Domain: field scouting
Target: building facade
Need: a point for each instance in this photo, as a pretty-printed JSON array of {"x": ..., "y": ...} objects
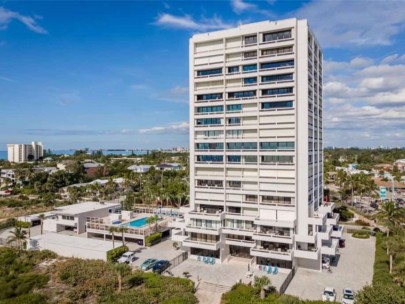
[
  {"x": 256, "y": 150},
  {"x": 20, "y": 153}
]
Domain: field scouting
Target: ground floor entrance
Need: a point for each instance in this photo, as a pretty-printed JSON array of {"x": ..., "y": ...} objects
[{"x": 239, "y": 251}]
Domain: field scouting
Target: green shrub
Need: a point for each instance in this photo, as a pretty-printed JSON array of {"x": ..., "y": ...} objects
[
  {"x": 31, "y": 298},
  {"x": 114, "y": 254},
  {"x": 7, "y": 223},
  {"x": 345, "y": 214},
  {"x": 153, "y": 239},
  {"x": 361, "y": 223},
  {"x": 22, "y": 224},
  {"x": 361, "y": 234}
]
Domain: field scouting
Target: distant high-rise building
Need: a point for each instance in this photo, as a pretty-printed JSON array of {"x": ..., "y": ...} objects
[
  {"x": 256, "y": 150},
  {"x": 20, "y": 153}
]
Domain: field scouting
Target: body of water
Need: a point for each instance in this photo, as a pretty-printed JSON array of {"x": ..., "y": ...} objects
[{"x": 3, "y": 154}]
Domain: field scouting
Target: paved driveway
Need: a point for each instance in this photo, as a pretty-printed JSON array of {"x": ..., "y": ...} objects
[
  {"x": 354, "y": 270},
  {"x": 162, "y": 251}
]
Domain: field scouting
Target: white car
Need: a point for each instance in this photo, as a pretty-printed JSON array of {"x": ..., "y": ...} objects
[
  {"x": 127, "y": 257},
  {"x": 348, "y": 296},
  {"x": 329, "y": 294}
]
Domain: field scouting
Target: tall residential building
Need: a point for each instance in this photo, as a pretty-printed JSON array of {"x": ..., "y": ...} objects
[
  {"x": 19, "y": 153},
  {"x": 256, "y": 152}
]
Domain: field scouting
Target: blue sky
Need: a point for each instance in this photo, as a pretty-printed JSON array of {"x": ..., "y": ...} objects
[{"x": 115, "y": 74}]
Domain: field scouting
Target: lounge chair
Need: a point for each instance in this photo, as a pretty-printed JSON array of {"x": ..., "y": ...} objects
[
  {"x": 269, "y": 270},
  {"x": 275, "y": 271},
  {"x": 212, "y": 261},
  {"x": 205, "y": 259},
  {"x": 199, "y": 258}
]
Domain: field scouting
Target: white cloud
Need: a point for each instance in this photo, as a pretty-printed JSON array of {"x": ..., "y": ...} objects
[
  {"x": 240, "y": 6},
  {"x": 6, "y": 16},
  {"x": 366, "y": 101},
  {"x": 176, "y": 94},
  {"x": 177, "y": 127},
  {"x": 340, "y": 23},
  {"x": 187, "y": 22},
  {"x": 6, "y": 79}
]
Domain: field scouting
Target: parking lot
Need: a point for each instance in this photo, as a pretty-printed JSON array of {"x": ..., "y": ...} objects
[
  {"x": 354, "y": 270},
  {"x": 162, "y": 251}
]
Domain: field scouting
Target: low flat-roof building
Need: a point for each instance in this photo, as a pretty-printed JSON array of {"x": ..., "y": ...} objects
[
  {"x": 74, "y": 217},
  {"x": 140, "y": 168}
]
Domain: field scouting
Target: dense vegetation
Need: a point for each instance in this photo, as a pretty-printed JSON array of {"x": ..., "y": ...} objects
[{"x": 34, "y": 277}]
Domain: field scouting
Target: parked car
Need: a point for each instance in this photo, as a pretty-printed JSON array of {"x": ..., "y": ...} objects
[
  {"x": 148, "y": 264},
  {"x": 127, "y": 257},
  {"x": 325, "y": 263},
  {"x": 161, "y": 266},
  {"x": 348, "y": 296},
  {"x": 342, "y": 243},
  {"x": 329, "y": 294}
]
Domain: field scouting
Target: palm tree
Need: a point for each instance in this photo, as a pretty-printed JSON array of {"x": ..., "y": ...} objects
[
  {"x": 150, "y": 220},
  {"x": 390, "y": 215},
  {"x": 18, "y": 236},
  {"x": 123, "y": 229},
  {"x": 396, "y": 246},
  {"x": 111, "y": 230},
  {"x": 261, "y": 283},
  {"x": 42, "y": 217},
  {"x": 121, "y": 269}
]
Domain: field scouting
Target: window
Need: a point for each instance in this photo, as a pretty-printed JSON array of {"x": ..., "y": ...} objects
[
  {"x": 68, "y": 217},
  {"x": 210, "y": 72},
  {"x": 209, "y": 146},
  {"x": 277, "y": 145},
  {"x": 233, "y": 108},
  {"x": 275, "y": 51},
  {"x": 250, "y": 198},
  {"x": 234, "y": 121},
  {"x": 234, "y": 159},
  {"x": 234, "y": 184},
  {"x": 209, "y": 121},
  {"x": 277, "y": 36},
  {"x": 212, "y": 133},
  {"x": 233, "y": 69},
  {"x": 278, "y": 91},
  {"x": 277, "y": 104},
  {"x": 281, "y": 77},
  {"x": 250, "y": 80},
  {"x": 251, "y": 39},
  {"x": 234, "y": 133},
  {"x": 277, "y": 64},
  {"x": 277, "y": 200},
  {"x": 282, "y": 159},
  {"x": 249, "y": 68},
  {"x": 210, "y": 109},
  {"x": 249, "y": 55},
  {"x": 241, "y": 146},
  {"x": 209, "y": 183},
  {"x": 250, "y": 158},
  {"x": 244, "y": 94},
  {"x": 210, "y": 158},
  {"x": 209, "y": 96}
]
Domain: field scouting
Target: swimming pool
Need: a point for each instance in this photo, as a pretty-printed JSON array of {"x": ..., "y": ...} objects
[{"x": 138, "y": 222}]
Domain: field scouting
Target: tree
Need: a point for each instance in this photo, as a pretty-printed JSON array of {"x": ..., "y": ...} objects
[
  {"x": 150, "y": 220},
  {"x": 123, "y": 229},
  {"x": 261, "y": 283},
  {"x": 112, "y": 230},
  {"x": 121, "y": 269},
  {"x": 17, "y": 236},
  {"x": 42, "y": 217},
  {"x": 390, "y": 215}
]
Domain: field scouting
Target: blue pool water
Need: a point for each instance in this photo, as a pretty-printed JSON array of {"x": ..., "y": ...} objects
[{"x": 138, "y": 222}]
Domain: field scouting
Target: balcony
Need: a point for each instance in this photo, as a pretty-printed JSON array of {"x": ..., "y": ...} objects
[
  {"x": 205, "y": 215},
  {"x": 271, "y": 236},
  {"x": 330, "y": 248},
  {"x": 325, "y": 232},
  {"x": 200, "y": 244},
  {"x": 259, "y": 251},
  {"x": 337, "y": 231},
  {"x": 242, "y": 243},
  {"x": 326, "y": 207},
  {"x": 238, "y": 231},
  {"x": 274, "y": 222},
  {"x": 204, "y": 229},
  {"x": 333, "y": 219},
  {"x": 318, "y": 219},
  {"x": 311, "y": 254}
]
